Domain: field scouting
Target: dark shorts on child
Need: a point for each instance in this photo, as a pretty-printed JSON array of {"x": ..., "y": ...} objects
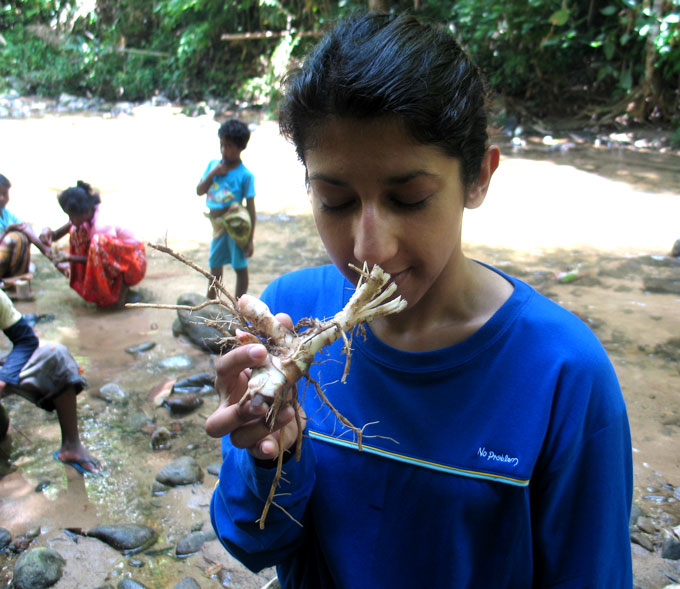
[{"x": 48, "y": 372}]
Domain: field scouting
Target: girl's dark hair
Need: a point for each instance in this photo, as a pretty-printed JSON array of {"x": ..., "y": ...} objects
[
  {"x": 4, "y": 182},
  {"x": 236, "y": 131},
  {"x": 78, "y": 199},
  {"x": 376, "y": 65}
]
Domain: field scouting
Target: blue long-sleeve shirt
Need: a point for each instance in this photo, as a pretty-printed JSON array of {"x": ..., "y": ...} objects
[
  {"x": 24, "y": 343},
  {"x": 504, "y": 461}
]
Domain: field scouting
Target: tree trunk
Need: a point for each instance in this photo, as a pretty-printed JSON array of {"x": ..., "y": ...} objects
[
  {"x": 649, "y": 88},
  {"x": 379, "y": 5}
]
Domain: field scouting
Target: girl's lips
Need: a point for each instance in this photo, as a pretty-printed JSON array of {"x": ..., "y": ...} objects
[{"x": 399, "y": 277}]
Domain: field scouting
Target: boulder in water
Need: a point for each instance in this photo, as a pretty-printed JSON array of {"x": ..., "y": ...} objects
[
  {"x": 37, "y": 568},
  {"x": 128, "y": 538}
]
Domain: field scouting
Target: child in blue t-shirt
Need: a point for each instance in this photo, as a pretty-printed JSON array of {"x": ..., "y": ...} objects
[{"x": 226, "y": 183}]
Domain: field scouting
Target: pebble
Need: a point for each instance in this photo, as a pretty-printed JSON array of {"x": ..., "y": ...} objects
[
  {"x": 197, "y": 380},
  {"x": 140, "y": 348},
  {"x": 128, "y": 538},
  {"x": 37, "y": 568},
  {"x": 160, "y": 438},
  {"x": 5, "y": 538},
  {"x": 175, "y": 362},
  {"x": 187, "y": 583},
  {"x": 183, "y": 404},
  {"x": 41, "y": 486},
  {"x": 671, "y": 549},
  {"x": 642, "y": 540},
  {"x": 183, "y": 471},
  {"x": 645, "y": 524},
  {"x": 190, "y": 544},
  {"x": 214, "y": 468},
  {"x": 130, "y": 584},
  {"x": 112, "y": 393}
]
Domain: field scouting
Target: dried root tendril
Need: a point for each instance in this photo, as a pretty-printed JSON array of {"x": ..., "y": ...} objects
[{"x": 292, "y": 352}]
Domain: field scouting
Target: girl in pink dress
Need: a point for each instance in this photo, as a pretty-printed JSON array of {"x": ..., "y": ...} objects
[{"x": 104, "y": 260}]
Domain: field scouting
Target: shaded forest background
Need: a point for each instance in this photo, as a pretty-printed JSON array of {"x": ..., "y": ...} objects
[{"x": 601, "y": 62}]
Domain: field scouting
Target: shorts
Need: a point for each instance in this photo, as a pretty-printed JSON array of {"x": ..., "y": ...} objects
[
  {"x": 49, "y": 371},
  {"x": 224, "y": 251}
]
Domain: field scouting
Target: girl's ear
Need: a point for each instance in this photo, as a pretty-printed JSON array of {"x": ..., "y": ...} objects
[{"x": 477, "y": 193}]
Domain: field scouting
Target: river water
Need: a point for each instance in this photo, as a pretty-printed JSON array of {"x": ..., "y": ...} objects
[{"x": 610, "y": 213}]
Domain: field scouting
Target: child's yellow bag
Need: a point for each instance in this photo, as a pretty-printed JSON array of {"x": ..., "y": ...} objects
[{"x": 235, "y": 221}]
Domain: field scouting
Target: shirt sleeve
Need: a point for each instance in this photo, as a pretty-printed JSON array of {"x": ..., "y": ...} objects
[
  {"x": 9, "y": 314},
  {"x": 581, "y": 493},
  {"x": 24, "y": 342},
  {"x": 240, "y": 496},
  {"x": 249, "y": 186},
  {"x": 7, "y": 218}
]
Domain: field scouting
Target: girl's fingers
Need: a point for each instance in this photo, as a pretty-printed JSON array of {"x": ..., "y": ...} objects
[
  {"x": 229, "y": 382},
  {"x": 252, "y": 435}
]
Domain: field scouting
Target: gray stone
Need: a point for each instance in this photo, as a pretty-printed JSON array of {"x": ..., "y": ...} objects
[
  {"x": 112, "y": 393},
  {"x": 642, "y": 540},
  {"x": 5, "y": 538},
  {"x": 182, "y": 471},
  {"x": 214, "y": 469},
  {"x": 182, "y": 404},
  {"x": 190, "y": 544},
  {"x": 193, "y": 326},
  {"x": 175, "y": 362},
  {"x": 671, "y": 550},
  {"x": 159, "y": 489},
  {"x": 676, "y": 249},
  {"x": 662, "y": 285},
  {"x": 4, "y": 422},
  {"x": 187, "y": 583},
  {"x": 130, "y": 584},
  {"x": 37, "y": 568},
  {"x": 140, "y": 348},
  {"x": 160, "y": 438},
  {"x": 128, "y": 538},
  {"x": 646, "y": 525}
]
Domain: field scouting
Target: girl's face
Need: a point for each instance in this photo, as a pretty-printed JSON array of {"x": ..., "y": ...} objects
[
  {"x": 4, "y": 196},
  {"x": 81, "y": 218},
  {"x": 380, "y": 197}
]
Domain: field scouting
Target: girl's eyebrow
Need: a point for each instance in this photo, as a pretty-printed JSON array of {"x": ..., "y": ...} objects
[{"x": 392, "y": 180}]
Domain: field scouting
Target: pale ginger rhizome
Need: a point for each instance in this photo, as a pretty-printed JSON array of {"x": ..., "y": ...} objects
[{"x": 292, "y": 351}]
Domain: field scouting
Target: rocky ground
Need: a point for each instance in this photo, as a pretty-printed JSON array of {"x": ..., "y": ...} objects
[{"x": 590, "y": 226}]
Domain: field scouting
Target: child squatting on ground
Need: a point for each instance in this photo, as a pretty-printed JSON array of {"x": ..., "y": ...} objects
[
  {"x": 498, "y": 450},
  {"x": 104, "y": 259},
  {"x": 16, "y": 238},
  {"x": 226, "y": 183},
  {"x": 48, "y": 376}
]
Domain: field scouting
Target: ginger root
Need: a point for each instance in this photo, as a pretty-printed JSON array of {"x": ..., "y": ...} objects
[{"x": 292, "y": 352}]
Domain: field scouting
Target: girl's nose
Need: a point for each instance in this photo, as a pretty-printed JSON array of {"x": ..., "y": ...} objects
[{"x": 375, "y": 239}]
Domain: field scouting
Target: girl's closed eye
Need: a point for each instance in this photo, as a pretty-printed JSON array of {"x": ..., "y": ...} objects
[{"x": 411, "y": 203}]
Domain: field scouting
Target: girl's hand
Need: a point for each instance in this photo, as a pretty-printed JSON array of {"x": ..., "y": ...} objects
[
  {"x": 47, "y": 236},
  {"x": 246, "y": 422},
  {"x": 64, "y": 267}
]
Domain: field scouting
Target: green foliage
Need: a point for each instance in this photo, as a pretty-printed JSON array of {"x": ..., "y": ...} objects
[
  {"x": 563, "y": 55},
  {"x": 558, "y": 54}
]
